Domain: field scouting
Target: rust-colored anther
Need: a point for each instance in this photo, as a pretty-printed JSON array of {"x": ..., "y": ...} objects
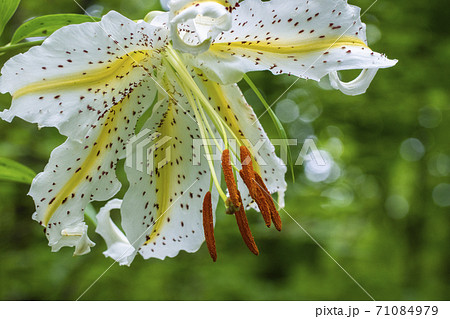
[
  {"x": 271, "y": 205},
  {"x": 247, "y": 168},
  {"x": 247, "y": 180},
  {"x": 263, "y": 203},
  {"x": 229, "y": 178},
  {"x": 244, "y": 228},
  {"x": 257, "y": 194},
  {"x": 208, "y": 226}
]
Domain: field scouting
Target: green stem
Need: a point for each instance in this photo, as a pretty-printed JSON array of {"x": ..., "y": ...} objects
[
  {"x": 12, "y": 47},
  {"x": 275, "y": 119}
]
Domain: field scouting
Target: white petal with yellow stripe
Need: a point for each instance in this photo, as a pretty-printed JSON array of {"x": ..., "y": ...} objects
[
  {"x": 79, "y": 72},
  {"x": 91, "y": 81},
  {"x": 81, "y": 172},
  {"x": 162, "y": 209},
  {"x": 308, "y": 39}
]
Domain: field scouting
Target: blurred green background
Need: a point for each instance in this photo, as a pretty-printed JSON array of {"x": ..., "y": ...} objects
[{"x": 380, "y": 208}]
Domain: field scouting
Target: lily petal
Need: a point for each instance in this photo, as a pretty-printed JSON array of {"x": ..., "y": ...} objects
[
  {"x": 119, "y": 248},
  {"x": 75, "y": 236},
  {"x": 356, "y": 86},
  {"x": 162, "y": 209},
  {"x": 83, "y": 82},
  {"x": 308, "y": 39},
  {"x": 81, "y": 172},
  {"x": 80, "y": 72}
]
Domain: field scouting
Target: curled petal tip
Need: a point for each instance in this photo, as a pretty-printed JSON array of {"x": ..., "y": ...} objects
[
  {"x": 356, "y": 86},
  {"x": 207, "y": 19}
]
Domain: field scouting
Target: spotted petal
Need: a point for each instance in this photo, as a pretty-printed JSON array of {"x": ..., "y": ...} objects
[
  {"x": 309, "y": 39},
  {"x": 81, "y": 172},
  {"x": 162, "y": 210},
  {"x": 79, "y": 73},
  {"x": 83, "y": 82}
]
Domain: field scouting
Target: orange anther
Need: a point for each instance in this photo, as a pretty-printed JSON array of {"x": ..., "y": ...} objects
[
  {"x": 208, "y": 226},
  {"x": 229, "y": 178},
  {"x": 244, "y": 228},
  {"x": 269, "y": 200}
]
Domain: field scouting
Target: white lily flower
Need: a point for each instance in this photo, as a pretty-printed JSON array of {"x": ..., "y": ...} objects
[{"x": 93, "y": 81}]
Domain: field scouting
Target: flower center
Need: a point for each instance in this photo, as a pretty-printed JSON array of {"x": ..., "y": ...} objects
[{"x": 205, "y": 113}]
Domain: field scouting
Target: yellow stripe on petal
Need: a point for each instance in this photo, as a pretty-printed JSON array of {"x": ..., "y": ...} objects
[
  {"x": 308, "y": 39},
  {"x": 299, "y": 48},
  {"x": 96, "y": 76},
  {"x": 164, "y": 176},
  {"x": 224, "y": 3},
  {"x": 93, "y": 160}
]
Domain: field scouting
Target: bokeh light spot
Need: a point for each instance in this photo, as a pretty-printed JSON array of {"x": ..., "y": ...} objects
[{"x": 412, "y": 149}]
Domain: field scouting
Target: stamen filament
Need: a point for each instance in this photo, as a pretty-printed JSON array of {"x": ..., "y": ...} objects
[
  {"x": 184, "y": 74},
  {"x": 178, "y": 66},
  {"x": 211, "y": 132},
  {"x": 207, "y": 149}
]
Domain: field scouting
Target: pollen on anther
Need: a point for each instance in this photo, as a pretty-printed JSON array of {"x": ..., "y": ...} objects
[
  {"x": 208, "y": 226},
  {"x": 247, "y": 167},
  {"x": 274, "y": 215},
  {"x": 244, "y": 229},
  {"x": 229, "y": 178}
]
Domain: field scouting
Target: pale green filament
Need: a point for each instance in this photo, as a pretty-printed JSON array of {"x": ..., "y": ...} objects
[
  {"x": 207, "y": 148},
  {"x": 190, "y": 83},
  {"x": 197, "y": 99}
]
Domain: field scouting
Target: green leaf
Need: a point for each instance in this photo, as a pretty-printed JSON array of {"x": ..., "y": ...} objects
[
  {"x": 280, "y": 129},
  {"x": 45, "y": 25},
  {"x": 12, "y": 171},
  {"x": 7, "y": 9}
]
